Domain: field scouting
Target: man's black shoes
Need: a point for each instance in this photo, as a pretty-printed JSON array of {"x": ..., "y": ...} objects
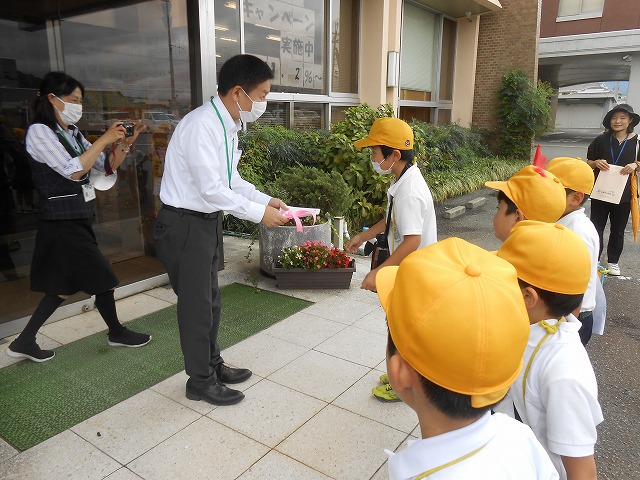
[
  {"x": 232, "y": 375},
  {"x": 215, "y": 393}
]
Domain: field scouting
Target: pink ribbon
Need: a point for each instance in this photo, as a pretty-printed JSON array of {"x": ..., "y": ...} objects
[{"x": 296, "y": 214}]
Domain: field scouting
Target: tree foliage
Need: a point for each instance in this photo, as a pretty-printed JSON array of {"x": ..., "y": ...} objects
[{"x": 524, "y": 112}]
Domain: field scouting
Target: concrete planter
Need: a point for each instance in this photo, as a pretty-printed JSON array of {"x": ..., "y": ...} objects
[
  {"x": 325, "y": 278},
  {"x": 273, "y": 240}
]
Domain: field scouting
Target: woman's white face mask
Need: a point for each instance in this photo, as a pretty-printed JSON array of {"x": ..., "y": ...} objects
[
  {"x": 257, "y": 109},
  {"x": 71, "y": 113}
]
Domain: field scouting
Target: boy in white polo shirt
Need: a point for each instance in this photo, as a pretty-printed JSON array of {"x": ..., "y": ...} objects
[
  {"x": 531, "y": 194},
  {"x": 577, "y": 178},
  {"x": 410, "y": 207},
  {"x": 556, "y": 393},
  {"x": 457, "y": 331}
]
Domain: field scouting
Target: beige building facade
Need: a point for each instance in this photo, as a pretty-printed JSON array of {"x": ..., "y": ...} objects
[{"x": 435, "y": 60}]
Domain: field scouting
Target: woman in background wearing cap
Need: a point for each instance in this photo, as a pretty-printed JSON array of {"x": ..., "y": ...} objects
[
  {"x": 616, "y": 146},
  {"x": 66, "y": 257}
]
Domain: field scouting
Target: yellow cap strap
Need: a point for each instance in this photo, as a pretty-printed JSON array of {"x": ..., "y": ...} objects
[
  {"x": 452, "y": 462},
  {"x": 550, "y": 329}
]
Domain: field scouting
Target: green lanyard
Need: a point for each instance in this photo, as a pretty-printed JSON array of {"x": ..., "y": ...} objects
[
  {"x": 226, "y": 143},
  {"x": 80, "y": 146}
]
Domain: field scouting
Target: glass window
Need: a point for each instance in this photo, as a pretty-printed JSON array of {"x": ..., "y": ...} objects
[
  {"x": 226, "y": 30},
  {"x": 419, "y": 113},
  {"x": 289, "y": 36},
  {"x": 447, "y": 59},
  {"x": 338, "y": 113},
  {"x": 308, "y": 116},
  {"x": 277, "y": 113},
  {"x": 418, "y": 53},
  {"x": 133, "y": 59},
  {"x": 578, "y": 7},
  {"x": 444, "y": 116},
  {"x": 22, "y": 67},
  {"x": 345, "y": 33}
]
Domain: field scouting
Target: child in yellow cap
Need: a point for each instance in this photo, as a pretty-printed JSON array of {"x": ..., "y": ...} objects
[
  {"x": 577, "y": 178},
  {"x": 410, "y": 206},
  {"x": 457, "y": 332},
  {"x": 556, "y": 393},
  {"x": 531, "y": 194}
]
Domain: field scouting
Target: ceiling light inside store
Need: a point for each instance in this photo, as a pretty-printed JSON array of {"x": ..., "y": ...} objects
[
  {"x": 273, "y": 37},
  {"x": 221, "y": 28},
  {"x": 230, "y": 5},
  {"x": 265, "y": 26}
]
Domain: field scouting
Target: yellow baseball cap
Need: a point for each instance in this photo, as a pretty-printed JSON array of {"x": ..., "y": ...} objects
[
  {"x": 536, "y": 192},
  {"x": 548, "y": 256},
  {"x": 456, "y": 315},
  {"x": 574, "y": 173},
  {"x": 388, "y": 131}
]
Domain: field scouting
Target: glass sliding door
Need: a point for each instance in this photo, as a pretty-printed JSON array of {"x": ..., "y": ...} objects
[{"x": 134, "y": 59}]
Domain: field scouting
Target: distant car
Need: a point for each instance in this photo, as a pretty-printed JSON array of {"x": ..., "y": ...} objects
[
  {"x": 91, "y": 123},
  {"x": 174, "y": 119},
  {"x": 154, "y": 120},
  {"x": 111, "y": 117},
  {"x": 96, "y": 123}
]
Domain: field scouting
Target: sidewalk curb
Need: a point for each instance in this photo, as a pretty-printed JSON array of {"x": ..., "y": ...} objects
[{"x": 459, "y": 210}]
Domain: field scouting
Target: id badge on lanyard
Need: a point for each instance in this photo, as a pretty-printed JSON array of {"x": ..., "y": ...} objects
[{"x": 89, "y": 192}]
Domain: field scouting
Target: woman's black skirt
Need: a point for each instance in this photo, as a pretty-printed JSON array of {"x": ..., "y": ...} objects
[{"x": 66, "y": 259}]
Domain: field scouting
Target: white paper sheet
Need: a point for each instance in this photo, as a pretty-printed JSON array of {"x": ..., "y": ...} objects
[
  {"x": 609, "y": 185},
  {"x": 305, "y": 210}
]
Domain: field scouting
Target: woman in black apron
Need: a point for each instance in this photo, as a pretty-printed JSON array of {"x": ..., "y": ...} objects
[{"x": 66, "y": 257}]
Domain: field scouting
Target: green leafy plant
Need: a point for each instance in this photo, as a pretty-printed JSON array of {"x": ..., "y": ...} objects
[
  {"x": 469, "y": 177},
  {"x": 446, "y": 147},
  {"x": 334, "y": 150},
  {"x": 524, "y": 112},
  {"x": 313, "y": 255},
  {"x": 268, "y": 150},
  {"x": 312, "y": 187}
]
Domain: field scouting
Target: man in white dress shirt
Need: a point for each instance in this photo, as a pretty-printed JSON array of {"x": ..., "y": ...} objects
[{"x": 200, "y": 181}]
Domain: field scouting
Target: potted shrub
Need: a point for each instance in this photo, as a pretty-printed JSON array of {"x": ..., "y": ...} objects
[
  {"x": 303, "y": 186},
  {"x": 313, "y": 264}
]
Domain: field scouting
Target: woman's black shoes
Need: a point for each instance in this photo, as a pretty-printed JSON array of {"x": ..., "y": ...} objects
[
  {"x": 29, "y": 350},
  {"x": 129, "y": 338}
]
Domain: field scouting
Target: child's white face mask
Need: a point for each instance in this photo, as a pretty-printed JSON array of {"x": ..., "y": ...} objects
[{"x": 376, "y": 166}]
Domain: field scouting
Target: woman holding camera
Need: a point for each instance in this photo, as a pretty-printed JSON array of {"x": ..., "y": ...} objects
[{"x": 66, "y": 257}]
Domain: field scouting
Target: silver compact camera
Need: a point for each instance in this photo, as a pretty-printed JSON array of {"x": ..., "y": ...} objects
[{"x": 129, "y": 129}]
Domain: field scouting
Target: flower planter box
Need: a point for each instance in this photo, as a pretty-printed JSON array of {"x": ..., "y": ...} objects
[
  {"x": 324, "y": 278},
  {"x": 273, "y": 240}
]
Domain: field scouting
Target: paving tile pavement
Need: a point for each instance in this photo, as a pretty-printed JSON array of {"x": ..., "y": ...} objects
[
  {"x": 308, "y": 411},
  {"x": 299, "y": 364}
]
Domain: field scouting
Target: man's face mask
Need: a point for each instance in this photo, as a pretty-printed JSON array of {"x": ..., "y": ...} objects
[{"x": 257, "y": 109}]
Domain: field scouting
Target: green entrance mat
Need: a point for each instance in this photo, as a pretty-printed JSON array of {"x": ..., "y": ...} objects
[{"x": 38, "y": 401}]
